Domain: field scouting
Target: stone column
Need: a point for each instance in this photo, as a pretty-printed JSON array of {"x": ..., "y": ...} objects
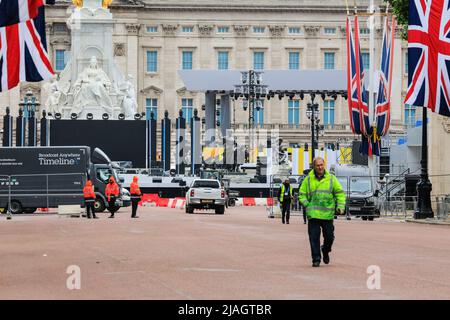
[
  {"x": 311, "y": 50},
  {"x": 133, "y": 53}
]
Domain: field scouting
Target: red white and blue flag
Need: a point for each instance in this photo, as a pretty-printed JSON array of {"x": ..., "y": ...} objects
[
  {"x": 363, "y": 95},
  {"x": 383, "y": 104},
  {"x": 429, "y": 55},
  {"x": 23, "y": 53},
  {"x": 15, "y": 11},
  {"x": 353, "y": 80}
]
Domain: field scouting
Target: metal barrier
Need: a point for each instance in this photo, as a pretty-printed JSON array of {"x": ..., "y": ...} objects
[
  {"x": 360, "y": 198},
  {"x": 39, "y": 191}
]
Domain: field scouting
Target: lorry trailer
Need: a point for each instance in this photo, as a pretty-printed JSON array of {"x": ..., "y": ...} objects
[{"x": 46, "y": 177}]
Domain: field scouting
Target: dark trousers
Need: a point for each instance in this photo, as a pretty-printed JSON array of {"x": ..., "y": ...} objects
[
  {"x": 285, "y": 212},
  {"x": 304, "y": 212},
  {"x": 134, "y": 206},
  {"x": 112, "y": 205},
  {"x": 89, "y": 208},
  {"x": 314, "y": 226}
]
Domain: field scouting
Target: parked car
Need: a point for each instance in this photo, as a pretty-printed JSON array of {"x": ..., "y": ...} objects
[
  {"x": 360, "y": 191},
  {"x": 206, "y": 194}
]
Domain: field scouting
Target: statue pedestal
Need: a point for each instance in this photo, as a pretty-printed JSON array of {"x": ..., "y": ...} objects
[{"x": 92, "y": 4}]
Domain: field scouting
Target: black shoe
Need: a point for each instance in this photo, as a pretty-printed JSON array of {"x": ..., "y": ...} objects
[
  {"x": 89, "y": 217},
  {"x": 326, "y": 257},
  {"x": 304, "y": 222},
  {"x": 135, "y": 217},
  {"x": 95, "y": 217},
  {"x": 282, "y": 221},
  {"x": 316, "y": 264},
  {"x": 111, "y": 216},
  {"x": 287, "y": 222}
]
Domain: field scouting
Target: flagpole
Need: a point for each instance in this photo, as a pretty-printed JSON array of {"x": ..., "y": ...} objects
[{"x": 371, "y": 158}]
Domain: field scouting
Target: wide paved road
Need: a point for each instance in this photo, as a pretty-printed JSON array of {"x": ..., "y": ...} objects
[{"x": 167, "y": 254}]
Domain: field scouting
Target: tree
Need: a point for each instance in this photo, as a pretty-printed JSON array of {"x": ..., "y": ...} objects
[{"x": 400, "y": 9}]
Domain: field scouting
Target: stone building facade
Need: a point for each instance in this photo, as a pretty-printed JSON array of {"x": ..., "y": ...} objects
[{"x": 153, "y": 39}]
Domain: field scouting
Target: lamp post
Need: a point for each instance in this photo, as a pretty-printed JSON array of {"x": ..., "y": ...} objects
[
  {"x": 29, "y": 103},
  {"x": 312, "y": 112},
  {"x": 424, "y": 186},
  {"x": 252, "y": 89}
]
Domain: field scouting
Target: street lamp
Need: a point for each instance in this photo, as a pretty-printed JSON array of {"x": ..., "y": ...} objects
[
  {"x": 424, "y": 186},
  {"x": 312, "y": 112},
  {"x": 29, "y": 103},
  {"x": 252, "y": 89}
]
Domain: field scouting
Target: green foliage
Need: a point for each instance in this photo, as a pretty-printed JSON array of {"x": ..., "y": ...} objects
[{"x": 400, "y": 9}]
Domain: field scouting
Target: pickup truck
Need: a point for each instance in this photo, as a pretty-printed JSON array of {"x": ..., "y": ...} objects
[{"x": 205, "y": 194}]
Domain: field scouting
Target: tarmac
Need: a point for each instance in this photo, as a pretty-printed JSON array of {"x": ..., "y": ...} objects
[{"x": 243, "y": 254}]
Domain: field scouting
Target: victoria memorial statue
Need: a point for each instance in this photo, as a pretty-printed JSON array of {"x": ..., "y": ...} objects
[{"x": 91, "y": 82}]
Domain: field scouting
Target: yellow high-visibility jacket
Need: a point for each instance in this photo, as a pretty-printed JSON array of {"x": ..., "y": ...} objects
[
  {"x": 282, "y": 191},
  {"x": 321, "y": 198}
]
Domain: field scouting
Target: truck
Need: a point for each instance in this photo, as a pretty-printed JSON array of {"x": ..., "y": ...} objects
[
  {"x": 46, "y": 177},
  {"x": 362, "y": 197},
  {"x": 206, "y": 194}
]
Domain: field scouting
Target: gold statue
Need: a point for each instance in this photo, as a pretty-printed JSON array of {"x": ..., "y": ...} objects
[
  {"x": 79, "y": 3},
  {"x": 106, "y": 3}
]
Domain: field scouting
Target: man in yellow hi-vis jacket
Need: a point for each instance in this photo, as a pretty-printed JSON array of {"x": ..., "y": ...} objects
[
  {"x": 321, "y": 194},
  {"x": 285, "y": 198}
]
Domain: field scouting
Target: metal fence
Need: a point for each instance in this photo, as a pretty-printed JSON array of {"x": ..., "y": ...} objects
[
  {"x": 370, "y": 197},
  {"x": 40, "y": 190}
]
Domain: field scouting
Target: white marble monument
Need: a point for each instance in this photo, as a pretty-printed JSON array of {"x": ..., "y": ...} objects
[{"x": 91, "y": 81}]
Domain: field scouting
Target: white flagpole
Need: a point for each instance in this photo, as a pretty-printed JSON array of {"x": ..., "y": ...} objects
[{"x": 372, "y": 159}]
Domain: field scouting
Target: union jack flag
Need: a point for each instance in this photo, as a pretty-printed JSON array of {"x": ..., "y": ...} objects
[
  {"x": 15, "y": 11},
  {"x": 363, "y": 95},
  {"x": 370, "y": 146},
  {"x": 383, "y": 105},
  {"x": 358, "y": 98},
  {"x": 23, "y": 53},
  {"x": 429, "y": 55},
  {"x": 353, "y": 81}
]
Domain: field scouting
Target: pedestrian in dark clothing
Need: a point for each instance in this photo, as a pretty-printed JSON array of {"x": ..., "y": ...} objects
[{"x": 285, "y": 199}]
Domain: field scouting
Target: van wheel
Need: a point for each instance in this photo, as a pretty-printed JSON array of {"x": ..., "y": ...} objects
[
  {"x": 16, "y": 207},
  {"x": 99, "y": 205},
  {"x": 364, "y": 218},
  {"x": 29, "y": 210},
  {"x": 370, "y": 218},
  {"x": 220, "y": 210}
]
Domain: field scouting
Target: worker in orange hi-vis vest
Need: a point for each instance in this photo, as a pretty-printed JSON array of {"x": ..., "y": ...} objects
[
  {"x": 135, "y": 196},
  {"x": 89, "y": 199},
  {"x": 112, "y": 192}
]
